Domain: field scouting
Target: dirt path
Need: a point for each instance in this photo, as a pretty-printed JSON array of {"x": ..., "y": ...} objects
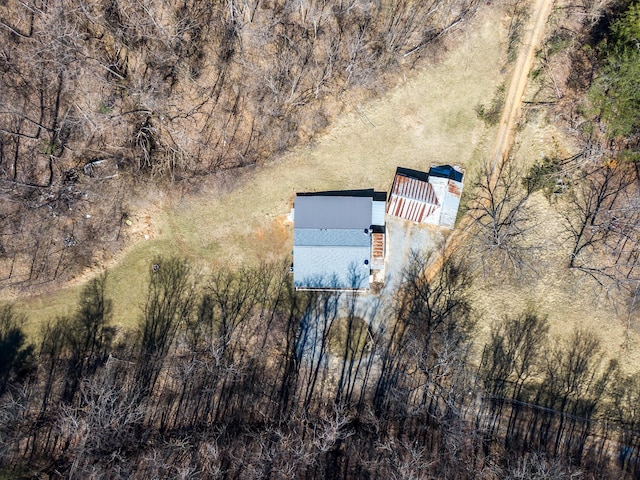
[
  {"x": 541, "y": 10},
  {"x": 513, "y": 101}
]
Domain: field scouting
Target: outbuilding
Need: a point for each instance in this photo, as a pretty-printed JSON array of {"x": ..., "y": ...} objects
[{"x": 432, "y": 198}]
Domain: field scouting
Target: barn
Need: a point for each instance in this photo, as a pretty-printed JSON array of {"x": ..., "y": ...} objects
[
  {"x": 432, "y": 198},
  {"x": 338, "y": 239}
]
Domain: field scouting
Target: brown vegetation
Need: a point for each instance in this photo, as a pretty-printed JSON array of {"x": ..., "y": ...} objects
[
  {"x": 580, "y": 255},
  {"x": 595, "y": 188},
  {"x": 171, "y": 91},
  {"x": 233, "y": 375}
]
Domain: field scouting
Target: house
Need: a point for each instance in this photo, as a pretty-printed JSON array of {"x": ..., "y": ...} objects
[
  {"x": 431, "y": 198},
  {"x": 338, "y": 239}
]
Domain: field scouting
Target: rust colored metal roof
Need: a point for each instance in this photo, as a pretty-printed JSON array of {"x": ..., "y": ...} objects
[
  {"x": 377, "y": 250},
  {"x": 411, "y": 198},
  {"x": 454, "y": 189}
]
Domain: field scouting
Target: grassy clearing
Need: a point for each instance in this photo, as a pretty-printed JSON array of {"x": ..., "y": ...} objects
[
  {"x": 229, "y": 220},
  {"x": 569, "y": 298},
  {"x": 429, "y": 118}
]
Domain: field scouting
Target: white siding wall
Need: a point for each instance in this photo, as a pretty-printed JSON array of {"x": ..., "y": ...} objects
[
  {"x": 377, "y": 213},
  {"x": 450, "y": 205}
]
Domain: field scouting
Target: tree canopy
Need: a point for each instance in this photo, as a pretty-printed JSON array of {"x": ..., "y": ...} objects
[{"x": 616, "y": 92}]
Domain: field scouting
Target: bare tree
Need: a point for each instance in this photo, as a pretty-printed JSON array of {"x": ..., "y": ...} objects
[
  {"x": 510, "y": 358},
  {"x": 89, "y": 335},
  {"x": 169, "y": 303},
  {"x": 15, "y": 352},
  {"x": 430, "y": 336},
  {"x": 624, "y": 411},
  {"x": 571, "y": 392},
  {"x": 501, "y": 215},
  {"x": 602, "y": 222}
]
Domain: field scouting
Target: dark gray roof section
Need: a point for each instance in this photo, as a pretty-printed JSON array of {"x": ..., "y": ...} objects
[
  {"x": 363, "y": 192},
  {"x": 408, "y": 172},
  {"x": 328, "y": 211},
  {"x": 379, "y": 196},
  {"x": 446, "y": 171}
]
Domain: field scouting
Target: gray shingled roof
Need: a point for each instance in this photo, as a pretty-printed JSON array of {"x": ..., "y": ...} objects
[
  {"x": 308, "y": 237},
  {"x": 331, "y": 267},
  {"x": 330, "y": 246}
]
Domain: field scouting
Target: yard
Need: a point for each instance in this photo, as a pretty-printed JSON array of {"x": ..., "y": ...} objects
[
  {"x": 430, "y": 118},
  {"x": 241, "y": 216}
]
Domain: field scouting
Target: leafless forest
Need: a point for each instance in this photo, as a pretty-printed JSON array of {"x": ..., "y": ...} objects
[
  {"x": 234, "y": 374},
  {"x": 238, "y": 376},
  {"x": 585, "y": 81},
  {"x": 169, "y": 91}
]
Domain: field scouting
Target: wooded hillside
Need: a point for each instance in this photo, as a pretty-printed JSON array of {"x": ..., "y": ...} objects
[
  {"x": 168, "y": 91},
  {"x": 235, "y": 375}
]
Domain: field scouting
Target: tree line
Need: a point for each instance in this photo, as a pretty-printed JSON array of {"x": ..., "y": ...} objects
[{"x": 237, "y": 375}]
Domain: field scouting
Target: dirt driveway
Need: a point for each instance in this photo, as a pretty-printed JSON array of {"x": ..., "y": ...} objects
[
  {"x": 513, "y": 100},
  {"x": 510, "y": 115},
  {"x": 403, "y": 239}
]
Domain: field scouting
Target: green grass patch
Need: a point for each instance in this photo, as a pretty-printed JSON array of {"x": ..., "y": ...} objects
[
  {"x": 544, "y": 175},
  {"x": 105, "y": 108},
  {"x": 350, "y": 336},
  {"x": 491, "y": 113},
  {"x": 47, "y": 148}
]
